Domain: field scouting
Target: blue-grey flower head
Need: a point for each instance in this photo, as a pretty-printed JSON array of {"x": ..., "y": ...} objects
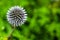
[{"x": 16, "y": 16}]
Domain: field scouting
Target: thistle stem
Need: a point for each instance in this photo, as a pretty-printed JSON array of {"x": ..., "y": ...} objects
[{"x": 10, "y": 35}]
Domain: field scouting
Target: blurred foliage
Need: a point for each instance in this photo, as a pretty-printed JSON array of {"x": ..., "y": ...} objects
[{"x": 43, "y": 22}]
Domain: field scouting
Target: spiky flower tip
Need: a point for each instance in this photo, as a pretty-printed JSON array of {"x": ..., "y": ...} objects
[{"x": 16, "y": 16}]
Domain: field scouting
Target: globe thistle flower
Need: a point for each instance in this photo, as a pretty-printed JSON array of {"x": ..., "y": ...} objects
[{"x": 16, "y": 16}]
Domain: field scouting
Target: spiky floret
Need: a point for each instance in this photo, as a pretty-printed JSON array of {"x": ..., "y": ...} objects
[{"x": 16, "y": 16}]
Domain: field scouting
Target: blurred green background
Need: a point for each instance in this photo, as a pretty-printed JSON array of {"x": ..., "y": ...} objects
[{"x": 43, "y": 22}]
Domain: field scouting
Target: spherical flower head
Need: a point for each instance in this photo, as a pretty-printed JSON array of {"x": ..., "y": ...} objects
[{"x": 16, "y": 16}]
